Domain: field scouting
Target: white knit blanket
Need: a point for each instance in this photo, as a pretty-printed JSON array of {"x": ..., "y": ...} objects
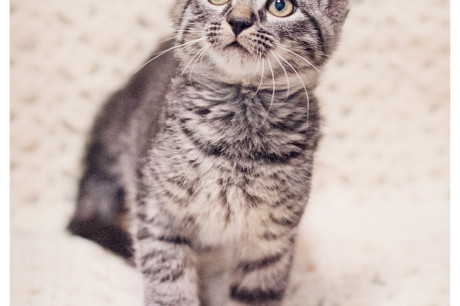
[{"x": 376, "y": 230}]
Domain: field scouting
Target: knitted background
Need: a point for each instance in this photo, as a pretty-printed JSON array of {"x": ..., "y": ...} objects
[{"x": 376, "y": 231}]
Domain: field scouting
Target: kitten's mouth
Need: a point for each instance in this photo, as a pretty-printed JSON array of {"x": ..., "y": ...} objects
[{"x": 237, "y": 47}]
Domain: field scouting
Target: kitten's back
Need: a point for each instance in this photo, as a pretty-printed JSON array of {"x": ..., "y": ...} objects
[{"x": 128, "y": 120}]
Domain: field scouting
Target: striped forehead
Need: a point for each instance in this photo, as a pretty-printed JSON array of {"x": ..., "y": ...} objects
[{"x": 258, "y": 4}]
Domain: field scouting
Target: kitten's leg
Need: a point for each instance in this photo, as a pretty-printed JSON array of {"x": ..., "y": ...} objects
[
  {"x": 261, "y": 275},
  {"x": 168, "y": 265}
]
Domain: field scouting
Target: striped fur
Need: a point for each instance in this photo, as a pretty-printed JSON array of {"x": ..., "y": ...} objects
[{"x": 210, "y": 148}]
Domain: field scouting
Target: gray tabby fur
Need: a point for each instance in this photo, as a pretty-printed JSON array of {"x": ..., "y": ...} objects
[{"x": 210, "y": 151}]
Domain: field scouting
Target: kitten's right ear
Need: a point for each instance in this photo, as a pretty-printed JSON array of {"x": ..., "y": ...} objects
[{"x": 337, "y": 10}]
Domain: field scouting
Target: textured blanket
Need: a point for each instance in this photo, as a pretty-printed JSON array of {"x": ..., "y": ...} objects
[{"x": 376, "y": 230}]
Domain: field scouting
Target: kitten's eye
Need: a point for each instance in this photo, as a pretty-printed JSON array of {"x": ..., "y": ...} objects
[
  {"x": 219, "y": 2},
  {"x": 281, "y": 8}
]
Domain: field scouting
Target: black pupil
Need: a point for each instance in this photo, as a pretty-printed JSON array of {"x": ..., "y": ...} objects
[{"x": 280, "y": 5}]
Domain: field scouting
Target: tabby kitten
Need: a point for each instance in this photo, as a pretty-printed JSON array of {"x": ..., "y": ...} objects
[{"x": 210, "y": 148}]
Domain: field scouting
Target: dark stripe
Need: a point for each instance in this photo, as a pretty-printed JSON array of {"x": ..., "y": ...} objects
[
  {"x": 251, "y": 200},
  {"x": 143, "y": 233},
  {"x": 301, "y": 146},
  {"x": 263, "y": 263},
  {"x": 152, "y": 254},
  {"x": 179, "y": 182},
  {"x": 182, "y": 19},
  {"x": 203, "y": 111},
  {"x": 290, "y": 123},
  {"x": 228, "y": 213},
  {"x": 227, "y": 8},
  {"x": 285, "y": 221},
  {"x": 229, "y": 116},
  {"x": 174, "y": 239},
  {"x": 221, "y": 150},
  {"x": 170, "y": 299},
  {"x": 185, "y": 9},
  {"x": 246, "y": 170},
  {"x": 262, "y": 15},
  {"x": 164, "y": 274},
  {"x": 255, "y": 296},
  {"x": 319, "y": 33},
  {"x": 265, "y": 44},
  {"x": 206, "y": 149},
  {"x": 171, "y": 196},
  {"x": 175, "y": 275},
  {"x": 272, "y": 236},
  {"x": 143, "y": 217},
  {"x": 308, "y": 48},
  {"x": 166, "y": 192}
]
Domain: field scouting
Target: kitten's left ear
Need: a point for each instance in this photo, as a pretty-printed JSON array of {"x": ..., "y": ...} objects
[{"x": 337, "y": 10}]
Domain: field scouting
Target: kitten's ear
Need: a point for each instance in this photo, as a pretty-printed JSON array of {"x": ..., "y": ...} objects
[{"x": 337, "y": 10}]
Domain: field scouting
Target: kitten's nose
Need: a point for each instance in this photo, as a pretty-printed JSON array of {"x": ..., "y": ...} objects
[
  {"x": 239, "y": 24},
  {"x": 240, "y": 18}
]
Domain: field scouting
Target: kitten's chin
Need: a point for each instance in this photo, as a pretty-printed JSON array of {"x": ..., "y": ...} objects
[{"x": 237, "y": 65}]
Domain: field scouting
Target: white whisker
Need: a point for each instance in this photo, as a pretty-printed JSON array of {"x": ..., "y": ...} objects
[
  {"x": 170, "y": 49},
  {"x": 191, "y": 18},
  {"x": 188, "y": 31},
  {"x": 163, "y": 41},
  {"x": 193, "y": 57},
  {"x": 201, "y": 53},
  {"x": 273, "y": 78},
  {"x": 285, "y": 73},
  {"x": 175, "y": 36},
  {"x": 210, "y": 46},
  {"x": 273, "y": 93},
  {"x": 282, "y": 47}
]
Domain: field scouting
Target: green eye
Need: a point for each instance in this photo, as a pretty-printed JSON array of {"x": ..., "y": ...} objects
[
  {"x": 219, "y": 2},
  {"x": 281, "y": 8}
]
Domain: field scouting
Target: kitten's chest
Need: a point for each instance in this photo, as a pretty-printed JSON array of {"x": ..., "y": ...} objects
[
  {"x": 232, "y": 162},
  {"x": 228, "y": 205},
  {"x": 229, "y": 201}
]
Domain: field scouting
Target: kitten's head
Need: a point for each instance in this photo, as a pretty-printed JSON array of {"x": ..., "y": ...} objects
[{"x": 251, "y": 40}]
